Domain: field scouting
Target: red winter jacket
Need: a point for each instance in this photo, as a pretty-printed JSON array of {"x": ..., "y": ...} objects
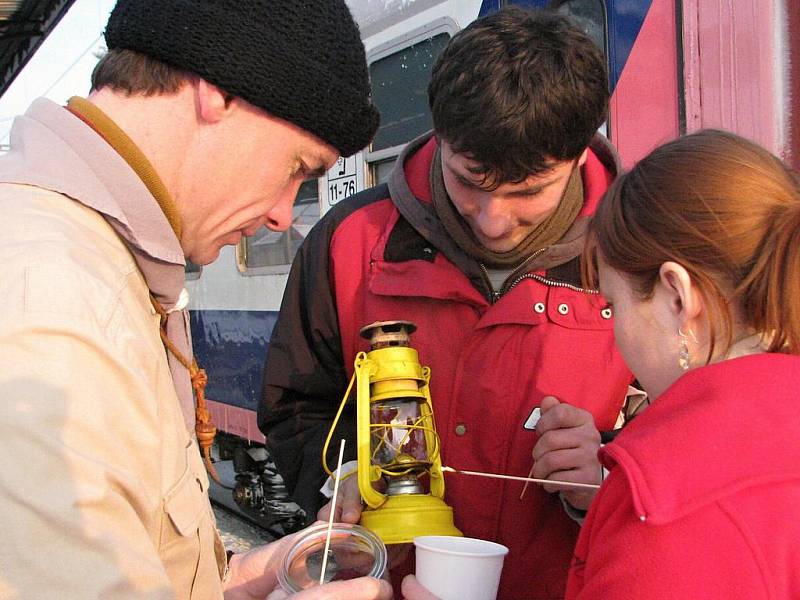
[
  {"x": 385, "y": 257},
  {"x": 703, "y": 499}
]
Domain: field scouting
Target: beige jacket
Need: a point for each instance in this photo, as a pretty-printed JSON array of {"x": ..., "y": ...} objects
[{"x": 102, "y": 489}]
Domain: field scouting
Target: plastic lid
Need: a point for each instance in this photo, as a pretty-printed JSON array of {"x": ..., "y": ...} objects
[{"x": 354, "y": 552}]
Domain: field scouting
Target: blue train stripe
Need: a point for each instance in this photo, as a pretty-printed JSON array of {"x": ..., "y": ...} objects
[
  {"x": 625, "y": 20},
  {"x": 231, "y": 346}
]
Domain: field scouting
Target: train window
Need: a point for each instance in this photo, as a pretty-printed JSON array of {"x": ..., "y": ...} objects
[
  {"x": 589, "y": 15},
  {"x": 400, "y": 91},
  {"x": 192, "y": 270},
  {"x": 267, "y": 248}
]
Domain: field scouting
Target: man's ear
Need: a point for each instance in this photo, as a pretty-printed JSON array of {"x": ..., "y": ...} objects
[
  {"x": 213, "y": 105},
  {"x": 684, "y": 299}
]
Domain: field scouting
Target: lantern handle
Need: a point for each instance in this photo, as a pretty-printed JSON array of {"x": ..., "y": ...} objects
[{"x": 333, "y": 427}]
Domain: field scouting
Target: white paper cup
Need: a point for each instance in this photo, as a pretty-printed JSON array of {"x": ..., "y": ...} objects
[{"x": 458, "y": 568}]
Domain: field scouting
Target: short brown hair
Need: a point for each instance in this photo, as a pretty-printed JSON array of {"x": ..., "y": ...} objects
[
  {"x": 517, "y": 90},
  {"x": 726, "y": 210},
  {"x": 136, "y": 73}
]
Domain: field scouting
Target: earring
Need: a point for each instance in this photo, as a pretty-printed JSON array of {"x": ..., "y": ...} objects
[{"x": 684, "y": 360}]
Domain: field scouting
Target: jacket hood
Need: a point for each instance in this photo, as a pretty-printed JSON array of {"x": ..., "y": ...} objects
[
  {"x": 710, "y": 435},
  {"x": 410, "y": 191}
]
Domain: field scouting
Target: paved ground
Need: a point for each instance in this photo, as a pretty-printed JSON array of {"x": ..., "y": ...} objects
[{"x": 239, "y": 535}]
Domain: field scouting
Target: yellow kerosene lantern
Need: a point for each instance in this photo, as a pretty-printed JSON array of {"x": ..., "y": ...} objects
[{"x": 397, "y": 439}]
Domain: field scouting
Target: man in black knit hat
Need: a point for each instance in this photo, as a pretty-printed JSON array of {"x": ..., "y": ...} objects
[{"x": 204, "y": 119}]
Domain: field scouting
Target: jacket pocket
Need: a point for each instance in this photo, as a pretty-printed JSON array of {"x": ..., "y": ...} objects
[
  {"x": 185, "y": 503},
  {"x": 184, "y": 507}
]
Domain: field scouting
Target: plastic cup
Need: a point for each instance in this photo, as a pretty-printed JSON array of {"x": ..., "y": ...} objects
[{"x": 458, "y": 568}]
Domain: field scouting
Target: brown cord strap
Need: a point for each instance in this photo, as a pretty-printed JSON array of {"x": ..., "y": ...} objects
[{"x": 203, "y": 427}]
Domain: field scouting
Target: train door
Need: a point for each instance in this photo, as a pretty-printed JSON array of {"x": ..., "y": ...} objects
[
  {"x": 791, "y": 48},
  {"x": 739, "y": 70}
]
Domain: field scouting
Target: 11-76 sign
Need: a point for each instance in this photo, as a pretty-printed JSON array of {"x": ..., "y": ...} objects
[{"x": 344, "y": 179}]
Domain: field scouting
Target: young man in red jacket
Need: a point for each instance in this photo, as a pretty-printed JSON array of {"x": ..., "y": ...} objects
[{"x": 476, "y": 239}]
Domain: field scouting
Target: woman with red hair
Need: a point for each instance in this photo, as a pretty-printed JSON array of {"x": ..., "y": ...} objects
[{"x": 697, "y": 250}]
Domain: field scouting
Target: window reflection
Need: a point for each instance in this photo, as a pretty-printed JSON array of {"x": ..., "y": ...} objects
[
  {"x": 589, "y": 16},
  {"x": 382, "y": 169},
  {"x": 400, "y": 91},
  {"x": 192, "y": 270},
  {"x": 267, "y": 248}
]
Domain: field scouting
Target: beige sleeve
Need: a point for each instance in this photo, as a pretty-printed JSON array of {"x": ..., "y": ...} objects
[{"x": 79, "y": 431}]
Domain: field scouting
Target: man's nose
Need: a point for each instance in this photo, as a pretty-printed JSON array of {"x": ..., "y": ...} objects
[
  {"x": 279, "y": 217},
  {"x": 493, "y": 219}
]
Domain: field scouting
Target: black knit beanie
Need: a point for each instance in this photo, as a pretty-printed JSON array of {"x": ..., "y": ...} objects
[{"x": 302, "y": 61}]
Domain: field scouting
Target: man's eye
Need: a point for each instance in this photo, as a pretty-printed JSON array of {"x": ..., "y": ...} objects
[
  {"x": 466, "y": 183},
  {"x": 526, "y": 194},
  {"x": 300, "y": 170}
]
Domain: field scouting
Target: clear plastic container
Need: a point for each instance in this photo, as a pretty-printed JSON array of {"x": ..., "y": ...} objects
[{"x": 354, "y": 552}]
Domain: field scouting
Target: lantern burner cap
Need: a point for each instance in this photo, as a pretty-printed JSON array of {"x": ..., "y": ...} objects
[
  {"x": 400, "y": 486},
  {"x": 384, "y": 334}
]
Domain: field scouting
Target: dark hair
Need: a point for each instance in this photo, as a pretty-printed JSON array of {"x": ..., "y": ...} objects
[
  {"x": 136, "y": 73},
  {"x": 517, "y": 90},
  {"x": 726, "y": 210}
]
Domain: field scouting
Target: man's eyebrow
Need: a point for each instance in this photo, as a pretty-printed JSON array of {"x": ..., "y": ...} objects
[{"x": 530, "y": 190}]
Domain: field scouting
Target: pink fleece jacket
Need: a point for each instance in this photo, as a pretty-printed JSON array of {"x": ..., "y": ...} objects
[{"x": 703, "y": 499}]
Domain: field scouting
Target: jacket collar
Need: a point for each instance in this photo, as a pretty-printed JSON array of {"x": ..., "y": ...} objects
[
  {"x": 410, "y": 192},
  {"x": 130, "y": 152},
  {"x": 89, "y": 171},
  {"x": 719, "y": 429}
]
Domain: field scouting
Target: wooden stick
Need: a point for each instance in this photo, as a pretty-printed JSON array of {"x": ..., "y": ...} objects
[
  {"x": 590, "y": 486},
  {"x": 527, "y": 483},
  {"x": 333, "y": 512}
]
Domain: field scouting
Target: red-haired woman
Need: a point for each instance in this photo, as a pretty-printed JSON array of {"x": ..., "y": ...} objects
[{"x": 698, "y": 251}]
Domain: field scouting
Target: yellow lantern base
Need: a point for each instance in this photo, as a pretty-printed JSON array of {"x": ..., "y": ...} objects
[{"x": 402, "y": 518}]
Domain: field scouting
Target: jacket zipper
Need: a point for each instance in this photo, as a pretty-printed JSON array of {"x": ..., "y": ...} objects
[
  {"x": 550, "y": 282},
  {"x": 497, "y": 294}
]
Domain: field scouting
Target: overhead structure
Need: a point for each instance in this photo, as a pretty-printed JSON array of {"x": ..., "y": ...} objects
[{"x": 24, "y": 24}]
